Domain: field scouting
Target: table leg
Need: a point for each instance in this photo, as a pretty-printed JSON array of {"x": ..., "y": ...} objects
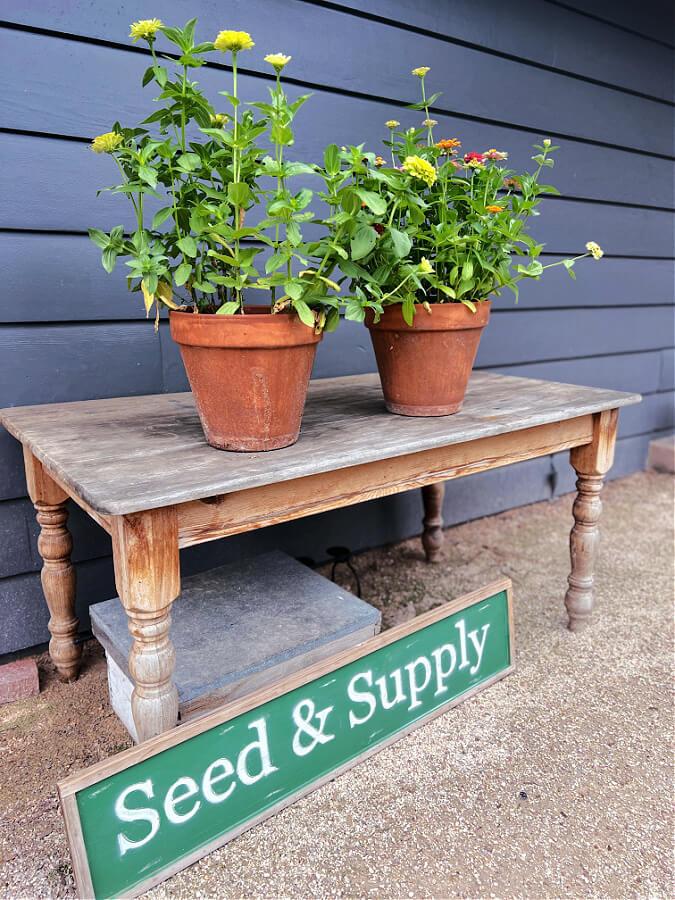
[
  {"x": 432, "y": 536},
  {"x": 58, "y": 574},
  {"x": 147, "y": 575},
  {"x": 591, "y": 462}
]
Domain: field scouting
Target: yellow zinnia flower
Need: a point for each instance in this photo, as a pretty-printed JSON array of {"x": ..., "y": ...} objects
[
  {"x": 278, "y": 60},
  {"x": 421, "y": 71},
  {"x": 106, "y": 143},
  {"x": 392, "y": 123},
  {"x": 429, "y": 123},
  {"x": 595, "y": 250},
  {"x": 219, "y": 119},
  {"x": 425, "y": 266},
  {"x": 420, "y": 168},
  {"x": 233, "y": 40},
  {"x": 145, "y": 30}
]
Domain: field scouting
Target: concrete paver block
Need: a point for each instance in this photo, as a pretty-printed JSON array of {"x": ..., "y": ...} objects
[
  {"x": 662, "y": 454},
  {"x": 18, "y": 680},
  {"x": 237, "y": 628}
]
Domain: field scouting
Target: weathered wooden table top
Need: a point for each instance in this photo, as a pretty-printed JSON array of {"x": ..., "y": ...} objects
[{"x": 129, "y": 454}]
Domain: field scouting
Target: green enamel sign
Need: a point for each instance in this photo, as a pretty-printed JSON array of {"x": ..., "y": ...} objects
[{"x": 145, "y": 814}]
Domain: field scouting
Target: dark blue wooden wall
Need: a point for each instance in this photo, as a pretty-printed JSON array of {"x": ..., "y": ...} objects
[{"x": 594, "y": 76}]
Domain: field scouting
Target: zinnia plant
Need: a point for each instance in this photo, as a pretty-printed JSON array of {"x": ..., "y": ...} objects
[
  {"x": 209, "y": 169},
  {"x": 434, "y": 226}
]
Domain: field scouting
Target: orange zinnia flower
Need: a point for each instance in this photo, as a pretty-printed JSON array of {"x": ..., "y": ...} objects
[
  {"x": 494, "y": 209},
  {"x": 448, "y": 143}
]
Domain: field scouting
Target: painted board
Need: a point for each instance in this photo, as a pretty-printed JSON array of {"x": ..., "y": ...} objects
[{"x": 135, "y": 819}]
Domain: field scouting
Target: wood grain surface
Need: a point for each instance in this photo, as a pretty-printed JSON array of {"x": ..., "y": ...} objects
[{"x": 137, "y": 453}]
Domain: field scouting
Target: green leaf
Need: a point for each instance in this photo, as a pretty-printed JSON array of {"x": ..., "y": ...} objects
[
  {"x": 281, "y": 134},
  {"x": 375, "y": 203},
  {"x": 464, "y": 286},
  {"x": 238, "y": 192},
  {"x": 148, "y": 174},
  {"x": 354, "y": 311},
  {"x": 467, "y": 270},
  {"x": 182, "y": 273},
  {"x": 363, "y": 241},
  {"x": 349, "y": 201},
  {"x": 332, "y": 320},
  {"x": 471, "y": 306},
  {"x": 294, "y": 290},
  {"x": 569, "y": 263},
  {"x": 298, "y": 168},
  {"x": 188, "y": 162},
  {"x": 100, "y": 238},
  {"x": 188, "y": 246},
  {"x": 401, "y": 242},
  {"x": 228, "y": 309},
  {"x": 304, "y": 312},
  {"x": 408, "y": 309},
  {"x": 108, "y": 259},
  {"x": 161, "y": 216},
  {"x": 331, "y": 159}
]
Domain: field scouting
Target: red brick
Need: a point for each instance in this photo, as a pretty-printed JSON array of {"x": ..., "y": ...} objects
[{"x": 18, "y": 680}]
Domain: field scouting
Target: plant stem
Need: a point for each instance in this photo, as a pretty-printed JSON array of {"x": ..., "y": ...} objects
[
  {"x": 430, "y": 138},
  {"x": 236, "y": 166}
]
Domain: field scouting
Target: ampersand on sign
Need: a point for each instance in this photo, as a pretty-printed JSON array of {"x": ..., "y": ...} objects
[{"x": 303, "y": 714}]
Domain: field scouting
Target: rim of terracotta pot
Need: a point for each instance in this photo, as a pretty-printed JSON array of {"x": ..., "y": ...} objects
[
  {"x": 258, "y": 327},
  {"x": 443, "y": 317}
]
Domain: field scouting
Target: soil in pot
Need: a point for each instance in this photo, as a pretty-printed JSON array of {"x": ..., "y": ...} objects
[
  {"x": 424, "y": 367},
  {"x": 248, "y": 373}
]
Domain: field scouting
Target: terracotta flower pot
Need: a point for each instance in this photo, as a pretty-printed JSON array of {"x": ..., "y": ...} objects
[
  {"x": 249, "y": 375},
  {"x": 424, "y": 367}
]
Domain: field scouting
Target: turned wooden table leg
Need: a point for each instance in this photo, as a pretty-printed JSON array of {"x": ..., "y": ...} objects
[
  {"x": 147, "y": 575},
  {"x": 432, "y": 536},
  {"x": 55, "y": 545},
  {"x": 591, "y": 462}
]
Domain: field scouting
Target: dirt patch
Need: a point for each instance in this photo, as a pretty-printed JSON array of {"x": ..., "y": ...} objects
[{"x": 557, "y": 781}]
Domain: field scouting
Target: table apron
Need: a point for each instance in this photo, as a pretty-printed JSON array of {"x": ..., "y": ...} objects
[{"x": 252, "y": 508}]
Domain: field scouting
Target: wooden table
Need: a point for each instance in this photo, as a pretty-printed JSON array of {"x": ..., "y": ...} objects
[{"x": 141, "y": 468}]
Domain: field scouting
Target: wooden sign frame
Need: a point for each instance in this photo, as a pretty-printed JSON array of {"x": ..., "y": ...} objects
[{"x": 70, "y": 787}]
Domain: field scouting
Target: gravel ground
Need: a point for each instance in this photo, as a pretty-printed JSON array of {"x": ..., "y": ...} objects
[{"x": 555, "y": 782}]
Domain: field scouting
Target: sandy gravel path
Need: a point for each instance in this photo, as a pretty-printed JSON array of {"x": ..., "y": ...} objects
[{"x": 555, "y": 782}]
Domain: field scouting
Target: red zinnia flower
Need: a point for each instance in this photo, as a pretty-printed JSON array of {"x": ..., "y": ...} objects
[{"x": 477, "y": 156}]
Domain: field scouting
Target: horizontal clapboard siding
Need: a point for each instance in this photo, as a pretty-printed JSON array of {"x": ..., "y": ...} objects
[
  {"x": 550, "y": 36},
  {"x": 596, "y": 78}
]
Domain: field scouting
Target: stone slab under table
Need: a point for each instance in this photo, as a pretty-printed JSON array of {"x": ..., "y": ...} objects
[{"x": 237, "y": 628}]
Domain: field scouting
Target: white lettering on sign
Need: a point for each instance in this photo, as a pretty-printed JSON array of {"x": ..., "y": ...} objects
[
  {"x": 256, "y": 754},
  {"x": 441, "y": 673},
  {"x": 361, "y": 697},
  {"x": 399, "y": 697},
  {"x": 420, "y": 674},
  {"x": 173, "y": 798},
  {"x": 303, "y": 714},
  {"x": 416, "y": 688},
  {"x": 136, "y": 815},
  {"x": 210, "y": 778},
  {"x": 262, "y": 747},
  {"x": 406, "y": 684}
]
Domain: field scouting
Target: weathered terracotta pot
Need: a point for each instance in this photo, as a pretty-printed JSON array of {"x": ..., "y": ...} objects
[
  {"x": 424, "y": 367},
  {"x": 249, "y": 375}
]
